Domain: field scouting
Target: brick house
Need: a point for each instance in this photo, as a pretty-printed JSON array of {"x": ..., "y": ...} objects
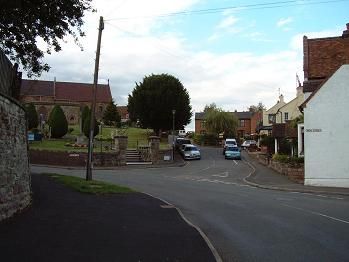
[
  {"x": 247, "y": 123},
  {"x": 72, "y": 97},
  {"x": 123, "y": 112},
  {"x": 322, "y": 57}
]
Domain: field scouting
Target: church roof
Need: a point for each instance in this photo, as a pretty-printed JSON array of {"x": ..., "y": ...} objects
[{"x": 65, "y": 91}]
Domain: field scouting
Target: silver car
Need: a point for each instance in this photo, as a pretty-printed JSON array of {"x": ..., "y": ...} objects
[{"x": 191, "y": 152}]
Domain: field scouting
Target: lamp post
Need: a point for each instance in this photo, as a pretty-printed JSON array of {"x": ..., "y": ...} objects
[{"x": 173, "y": 127}]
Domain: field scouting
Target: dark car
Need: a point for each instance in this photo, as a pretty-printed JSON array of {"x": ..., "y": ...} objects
[{"x": 181, "y": 141}]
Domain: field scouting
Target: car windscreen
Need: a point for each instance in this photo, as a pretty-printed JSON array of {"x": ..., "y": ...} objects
[
  {"x": 191, "y": 148},
  {"x": 230, "y": 142},
  {"x": 232, "y": 148}
]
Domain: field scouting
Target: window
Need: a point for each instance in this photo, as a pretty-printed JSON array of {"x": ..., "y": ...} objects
[
  {"x": 100, "y": 108},
  {"x": 203, "y": 124},
  {"x": 242, "y": 123},
  {"x": 286, "y": 116},
  {"x": 271, "y": 118}
]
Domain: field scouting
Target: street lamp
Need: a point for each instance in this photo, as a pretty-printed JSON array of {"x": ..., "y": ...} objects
[{"x": 173, "y": 127}]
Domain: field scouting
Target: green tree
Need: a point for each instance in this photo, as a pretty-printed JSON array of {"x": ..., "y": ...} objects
[
  {"x": 210, "y": 107},
  {"x": 219, "y": 121},
  {"x": 152, "y": 101},
  {"x": 32, "y": 116},
  {"x": 85, "y": 112},
  {"x": 87, "y": 122},
  {"x": 23, "y": 23},
  {"x": 58, "y": 122},
  {"x": 111, "y": 114},
  {"x": 257, "y": 108}
]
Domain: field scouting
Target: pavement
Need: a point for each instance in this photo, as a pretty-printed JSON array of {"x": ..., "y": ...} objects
[
  {"x": 264, "y": 177},
  {"x": 65, "y": 225}
]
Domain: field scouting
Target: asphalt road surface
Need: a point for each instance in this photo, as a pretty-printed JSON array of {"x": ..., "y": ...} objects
[{"x": 243, "y": 223}]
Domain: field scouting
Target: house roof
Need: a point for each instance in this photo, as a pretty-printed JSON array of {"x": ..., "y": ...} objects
[
  {"x": 200, "y": 116},
  {"x": 68, "y": 91},
  {"x": 322, "y": 57}
]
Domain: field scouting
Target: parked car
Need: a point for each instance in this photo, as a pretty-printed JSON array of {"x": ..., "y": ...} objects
[
  {"x": 229, "y": 142},
  {"x": 191, "y": 152},
  {"x": 181, "y": 141},
  {"x": 232, "y": 152},
  {"x": 248, "y": 143},
  {"x": 181, "y": 148}
]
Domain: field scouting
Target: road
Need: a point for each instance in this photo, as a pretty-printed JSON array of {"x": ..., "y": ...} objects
[{"x": 243, "y": 223}]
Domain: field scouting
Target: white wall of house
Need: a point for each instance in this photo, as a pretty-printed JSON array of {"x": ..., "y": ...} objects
[
  {"x": 272, "y": 111},
  {"x": 326, "y": 133},
  {"x": 290, "y": 110}
]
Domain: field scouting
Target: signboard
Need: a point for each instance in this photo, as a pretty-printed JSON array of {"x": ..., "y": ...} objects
[
  {"x": 313, "y": 130},
  {"x": 30, "y": 137}
]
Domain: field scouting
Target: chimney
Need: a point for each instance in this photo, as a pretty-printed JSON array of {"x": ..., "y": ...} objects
[
  {"x": 299, "y": 90},
  {"x": 346, "y": 32},
  {"x": 281, "y": 99}
]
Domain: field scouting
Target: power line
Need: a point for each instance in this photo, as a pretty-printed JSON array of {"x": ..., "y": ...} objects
[{"x": 268, "y": 5}]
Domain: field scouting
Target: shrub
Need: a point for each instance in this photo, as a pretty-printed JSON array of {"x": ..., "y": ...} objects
[
  {"x": 32, "y": 116},
  {"x": 85, "y": 112},
  {"x": 58, "y": 122},
  {"x": 281, "y": 158},
  {"x": 86, "y": 129},
  {"x": 70, "y": 130}
]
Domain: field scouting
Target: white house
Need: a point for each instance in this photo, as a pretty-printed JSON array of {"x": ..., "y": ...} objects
[{"x": 326, "y": 132}]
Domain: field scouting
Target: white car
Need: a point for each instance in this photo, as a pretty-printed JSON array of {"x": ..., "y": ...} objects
[
  {"x": 248, "y": 143},
  {"x": 229, "y": 142},
  {"x": 191, "y": 152}
]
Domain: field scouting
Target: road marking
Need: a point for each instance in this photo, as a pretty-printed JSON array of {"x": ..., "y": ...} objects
[
  {"x": 314, "y": 194},
  {"x": 225, "y": 174},
  {"x": 318, "y": 214},
  {"x": 235, "y": 162}
]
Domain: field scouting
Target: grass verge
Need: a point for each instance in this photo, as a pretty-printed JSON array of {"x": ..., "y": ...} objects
[{"x": 89, "y": 187}]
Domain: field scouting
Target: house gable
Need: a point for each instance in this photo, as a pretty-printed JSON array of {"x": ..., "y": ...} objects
[{"x": 326, "y": 132}]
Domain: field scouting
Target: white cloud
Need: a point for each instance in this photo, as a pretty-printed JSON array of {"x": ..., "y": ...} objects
[
  {"x": 227, "y": 22},
  {"x": 284, "y": 21}
]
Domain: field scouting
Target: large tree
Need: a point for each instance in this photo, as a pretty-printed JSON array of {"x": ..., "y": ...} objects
[
  {"x": 24, "y": 22},
  {"x": 257, "y": 108},
  {"x": 152, "y": 101},
  {"x": 111, "y": 114},
  {"x": 219, "y": 121}
]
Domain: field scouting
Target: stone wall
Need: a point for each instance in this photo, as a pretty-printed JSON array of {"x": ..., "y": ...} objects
[
  {"x": 14, "y": 167},
  {"x": 293, "y": 172},
  {"x": 75, "y": 159}
]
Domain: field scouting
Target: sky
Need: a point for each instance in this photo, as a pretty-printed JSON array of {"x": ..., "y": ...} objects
[{"x": 231, "y": 53}]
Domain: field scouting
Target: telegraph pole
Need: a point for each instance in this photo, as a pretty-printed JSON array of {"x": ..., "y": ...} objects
[{"x": 93, "y": 104}]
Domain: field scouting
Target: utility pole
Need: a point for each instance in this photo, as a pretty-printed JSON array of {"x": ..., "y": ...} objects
[{"x": 93, "y": 103}]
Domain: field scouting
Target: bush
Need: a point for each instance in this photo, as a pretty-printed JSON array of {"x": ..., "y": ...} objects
[
  {"x": 85, "y": 112},
  {"x": 86, "y": 129},
  {"x": 206, "y": 139},
  {"x": 281, "y": 158},
  {"x": 294, "y": 161},
  {"x": 58, "y": 122},
  {"x": 70, "y": 130},
  {"x": 32, "y": 116}
]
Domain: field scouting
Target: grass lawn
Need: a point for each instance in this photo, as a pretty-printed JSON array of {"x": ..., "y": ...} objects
[
  {"x": 90, "y": 187},
  {"x": 54, "y": 145}
]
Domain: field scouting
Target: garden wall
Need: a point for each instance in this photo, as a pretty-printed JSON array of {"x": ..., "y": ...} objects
[
  {"x": 293, "y": 172},
  {"x": 14, "y": 167}
]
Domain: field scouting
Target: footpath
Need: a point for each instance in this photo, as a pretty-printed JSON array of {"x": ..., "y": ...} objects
[
  {"x": 65, "y": 225},
  {"x": 264, "y": 177}
]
